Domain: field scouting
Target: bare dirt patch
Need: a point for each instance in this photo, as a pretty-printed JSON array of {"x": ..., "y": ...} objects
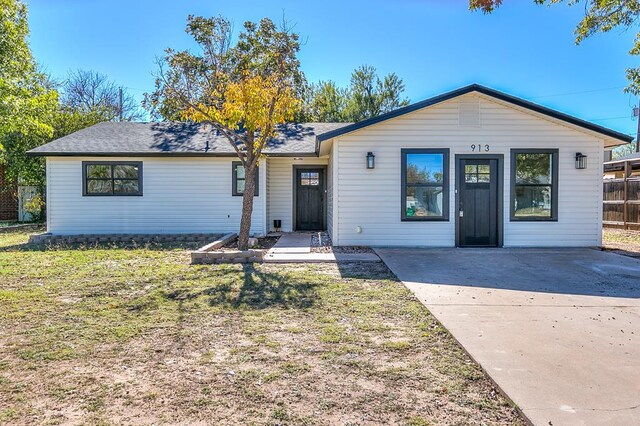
[{"x": 137, "y": 336}]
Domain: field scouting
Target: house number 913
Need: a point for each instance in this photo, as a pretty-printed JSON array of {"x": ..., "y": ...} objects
[{"x": 479, "y": 148}]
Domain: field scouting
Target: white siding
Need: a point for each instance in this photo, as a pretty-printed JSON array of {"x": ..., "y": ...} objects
[
  {"x": 371, "y": 198},
  {"x": 181, "y": 195},
  {"x": 330, "y": 196},
  {"x": 281, "y": 187}
]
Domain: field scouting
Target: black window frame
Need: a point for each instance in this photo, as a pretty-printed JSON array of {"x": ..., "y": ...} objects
[
  {"x": 112, "y": 165},
  {"x": 445, "y": 185},
  {"x": 234, "y": 180},
  {"x": 555, "y": 166}
]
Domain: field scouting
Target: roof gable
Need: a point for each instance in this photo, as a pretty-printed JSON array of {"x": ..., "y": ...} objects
[{"x": 483, "y": 90}]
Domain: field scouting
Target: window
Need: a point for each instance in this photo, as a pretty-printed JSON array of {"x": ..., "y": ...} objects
[
  {"x": 238, "y": 179},
  {"x": 425, "y": 184},
  {"x": 477, "y": 173},
  {"x": 309, "y": 178},
  {"x": 534, "y": 184},
  {"x": 112, "y": 178}
]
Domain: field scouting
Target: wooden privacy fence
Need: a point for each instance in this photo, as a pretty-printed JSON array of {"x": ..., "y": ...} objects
[{"x": 621, "y": 186}]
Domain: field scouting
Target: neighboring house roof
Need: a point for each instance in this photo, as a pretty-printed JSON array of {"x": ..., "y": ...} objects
[
  {"x": 480, "y": 89},
  {"x": 632, "y": 156},
  {"x": 174, "y": 138}
]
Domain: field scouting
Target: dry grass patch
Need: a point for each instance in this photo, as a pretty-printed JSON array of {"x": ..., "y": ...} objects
[
  {"x": 621, "y": 241},
  {"x": 138, "y": 336}
]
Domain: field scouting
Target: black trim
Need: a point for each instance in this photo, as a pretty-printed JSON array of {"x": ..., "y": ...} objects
[
  {"x": 555, "y": 166},
  {"x": 445, "y": 185},
  {"x": 500, "y": 177},
  {"x": 85, "y": 164},
  {"x": 234, "y": 180},
  {"x": 463, "y": 91}
]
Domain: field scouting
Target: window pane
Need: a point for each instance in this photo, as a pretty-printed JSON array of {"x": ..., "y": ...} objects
[
  {"x": 425, "y": 168},
  {"x": 240, "y": 186},
  {"x": 484, "y": 168},
  {"x": 240, "y": 171},
  {"x": 99, "y": 171},
  {"x": 533, "y": 168},
  {"x": 471, "y": 178},
  {"x": 484, "y": 177},
  {"x": 125, "y": 171},
  {"x": 99, "y": 186},
  {"x": 424, "y": 201},
  {"x": 125, "y": 186},
  {"x": 533, "y": 201}
]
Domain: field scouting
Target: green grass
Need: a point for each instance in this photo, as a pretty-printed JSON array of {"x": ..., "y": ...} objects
[{"x": 108, "y": 335}]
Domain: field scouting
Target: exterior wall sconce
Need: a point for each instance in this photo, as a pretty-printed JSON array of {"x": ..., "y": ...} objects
[
  {"x": 581, "y": 161},
  {"x": 371, "y": 160}
]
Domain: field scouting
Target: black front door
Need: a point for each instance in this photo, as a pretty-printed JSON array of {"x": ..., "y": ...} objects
[
  {"x": 310, "y": 199},
  {"x": 478, "y": 210}
]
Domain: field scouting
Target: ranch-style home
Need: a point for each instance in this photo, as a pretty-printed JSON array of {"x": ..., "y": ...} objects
[{"x": 472, "y": 167}]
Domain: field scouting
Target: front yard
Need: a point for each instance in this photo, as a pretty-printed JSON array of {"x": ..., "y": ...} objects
[{"x": 113, "y": 335}]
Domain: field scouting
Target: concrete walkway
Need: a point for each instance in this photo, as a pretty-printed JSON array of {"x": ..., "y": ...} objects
[
  {"x": 295, "y": 247},
  {"x": 557, "y": 330}
]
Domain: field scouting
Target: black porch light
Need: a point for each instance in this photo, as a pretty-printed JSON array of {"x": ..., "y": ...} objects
[
  {"x": 581, "y": 161},
  {"x": 371, "y": 160}
]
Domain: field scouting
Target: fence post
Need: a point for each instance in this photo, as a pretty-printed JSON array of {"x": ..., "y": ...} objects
[{"x": 625, "y": 213}]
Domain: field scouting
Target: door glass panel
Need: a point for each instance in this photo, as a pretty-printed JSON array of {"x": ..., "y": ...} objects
[
  {"x": 477, "y": 173},
  {"x": 309, "y": 178}
]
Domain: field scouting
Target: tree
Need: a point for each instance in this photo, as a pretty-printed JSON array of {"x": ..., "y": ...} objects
[
  {"x": 370, "y": 96},
  {"x": 601, "y": 16},
  {"x": 244, "y": 90},
  {"x": 326, "y": 102},
  {"x": 623, "y": 150},
  {"x": 94, "y": 93},
  {"x": 27, "y": 103},
  {"x": 367, "y": 96}
]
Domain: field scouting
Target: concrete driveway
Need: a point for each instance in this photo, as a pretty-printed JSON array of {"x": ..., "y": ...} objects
[{"x": 557, "y": 329}]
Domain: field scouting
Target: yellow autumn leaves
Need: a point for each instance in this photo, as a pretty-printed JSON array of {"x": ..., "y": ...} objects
[{"x": 256, "y": 103}]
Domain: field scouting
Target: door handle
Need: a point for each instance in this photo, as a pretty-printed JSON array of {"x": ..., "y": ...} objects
[{"x": 461, "y": 213}]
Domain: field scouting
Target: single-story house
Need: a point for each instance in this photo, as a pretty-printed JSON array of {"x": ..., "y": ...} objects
[{"x": 472, "y": 167}]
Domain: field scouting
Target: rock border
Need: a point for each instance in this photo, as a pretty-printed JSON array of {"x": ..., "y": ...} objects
[{"x": 47, "y": 238}]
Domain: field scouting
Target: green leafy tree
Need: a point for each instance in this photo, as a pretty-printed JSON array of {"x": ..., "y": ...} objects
[
  {"x": 370, "y": 96},
  {"x": 244, "y": 90},
  {"x": 601, "y": 16},
  {"x": 27, "y": 102},
  {"x": 326, "y": 102},
  {"x": 367, "y": 96}
]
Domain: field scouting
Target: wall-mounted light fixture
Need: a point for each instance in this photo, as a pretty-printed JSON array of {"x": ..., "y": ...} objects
[
  {"x": 371, "y": 160},
  {"x": 581, "y": 161}
]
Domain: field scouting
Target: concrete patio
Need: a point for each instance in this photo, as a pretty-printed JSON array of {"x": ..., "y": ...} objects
[{"x": 558, "y": 330}]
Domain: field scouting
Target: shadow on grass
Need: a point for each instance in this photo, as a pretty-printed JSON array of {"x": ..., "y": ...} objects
[{"x": 256, "y": 290}]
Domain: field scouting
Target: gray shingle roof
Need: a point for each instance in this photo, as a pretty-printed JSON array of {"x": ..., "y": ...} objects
[{"x": 177, "y": 139}]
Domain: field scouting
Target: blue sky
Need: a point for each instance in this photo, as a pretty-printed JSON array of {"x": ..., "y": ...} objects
[{"x": 434, "y": 45}]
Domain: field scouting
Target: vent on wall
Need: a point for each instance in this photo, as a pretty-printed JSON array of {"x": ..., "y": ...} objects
[{"x": 469, "y": 112}]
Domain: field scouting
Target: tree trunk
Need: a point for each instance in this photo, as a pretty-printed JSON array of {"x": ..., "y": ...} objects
[{"x": 247, "y": 205}]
